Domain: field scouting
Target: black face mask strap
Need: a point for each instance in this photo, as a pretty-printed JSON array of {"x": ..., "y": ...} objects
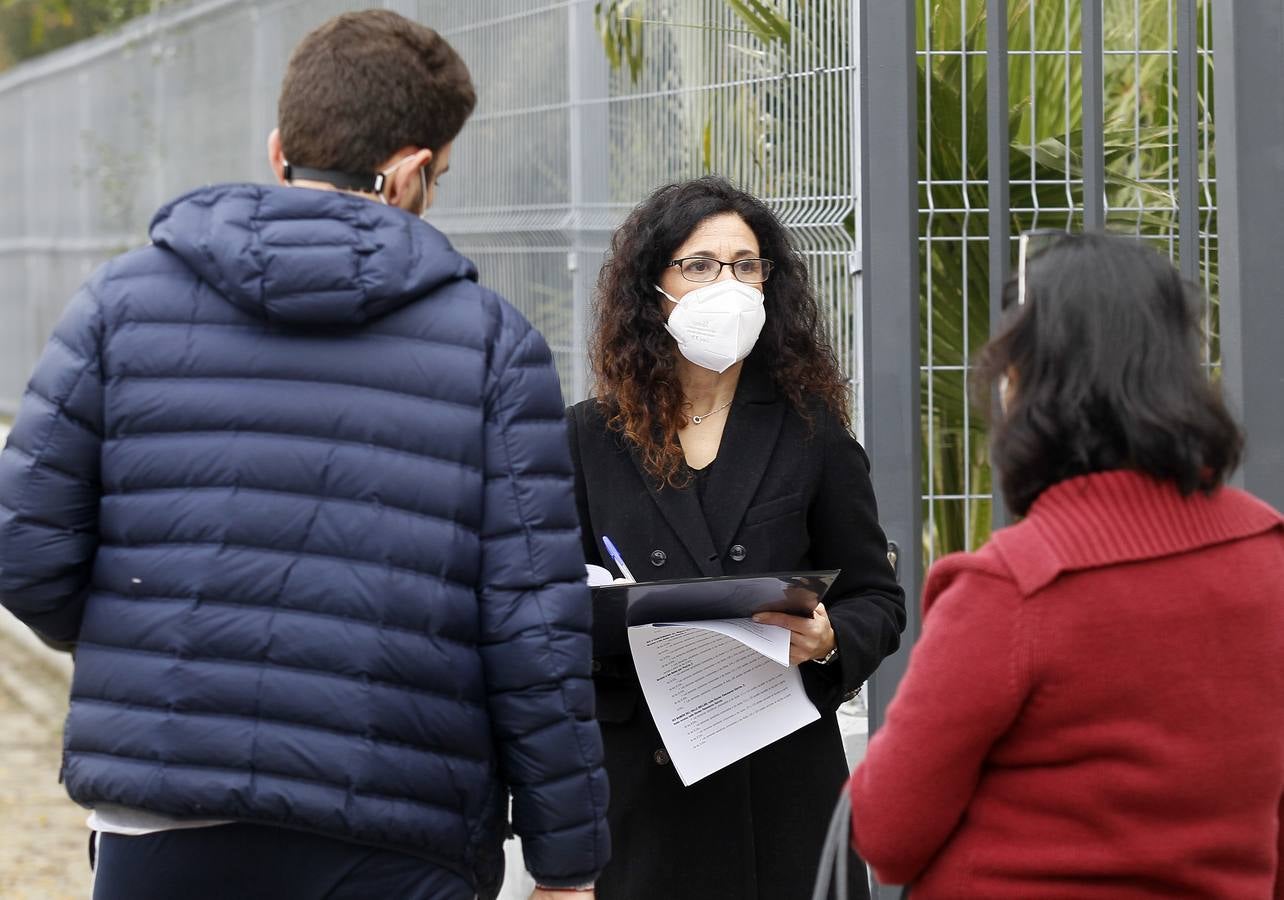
[{"x": 371, "y": 183}]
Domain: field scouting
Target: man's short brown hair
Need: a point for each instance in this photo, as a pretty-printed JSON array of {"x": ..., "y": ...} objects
[{"x": 365, "y": 84}]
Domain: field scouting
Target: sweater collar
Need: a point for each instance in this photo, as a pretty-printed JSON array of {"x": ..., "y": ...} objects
[{"x": 1122, "y": 516}]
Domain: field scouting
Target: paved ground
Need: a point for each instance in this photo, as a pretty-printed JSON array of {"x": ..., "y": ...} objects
[{"x": 42, "y": 833}]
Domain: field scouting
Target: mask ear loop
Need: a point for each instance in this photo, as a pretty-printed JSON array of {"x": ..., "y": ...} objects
[
  {"x": 670, "y": 297},
  {"x": 381, "y": 179}
]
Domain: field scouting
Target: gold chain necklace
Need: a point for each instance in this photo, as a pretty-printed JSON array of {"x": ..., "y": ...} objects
[{"x": 696, "y": 420}]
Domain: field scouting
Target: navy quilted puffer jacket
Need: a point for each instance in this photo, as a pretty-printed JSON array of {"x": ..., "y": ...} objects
[{"x": 299, "y": 490}]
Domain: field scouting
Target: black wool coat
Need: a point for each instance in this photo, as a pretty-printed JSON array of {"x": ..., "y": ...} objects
[{"x": 783, "y": 496}]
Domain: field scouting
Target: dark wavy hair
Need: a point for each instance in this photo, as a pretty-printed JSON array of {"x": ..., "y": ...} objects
[
  {"x": 635, "y": 361},
  {"x": 1107, "y": 373}
]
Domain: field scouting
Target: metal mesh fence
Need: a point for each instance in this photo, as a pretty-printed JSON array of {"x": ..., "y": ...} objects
[
  {"x": 560, "y": 147},
  {"x": 1139, "y": 59},
  {"x": 567, "y": 151},
  {"x": 563, "y": 144}
]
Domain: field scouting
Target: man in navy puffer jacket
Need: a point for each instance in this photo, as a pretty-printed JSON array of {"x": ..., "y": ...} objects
[{"x": 297, "y": 489}]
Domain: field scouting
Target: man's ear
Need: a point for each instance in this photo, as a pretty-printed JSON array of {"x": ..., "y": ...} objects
[
  {"x": 276, "y": 156},
  {"x": 403, "y": 184}
]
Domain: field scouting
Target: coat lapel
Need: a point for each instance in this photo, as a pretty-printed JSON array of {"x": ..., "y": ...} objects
[
  {"x": 748, "y": 440},
  {"x": 681, "y": 509}
]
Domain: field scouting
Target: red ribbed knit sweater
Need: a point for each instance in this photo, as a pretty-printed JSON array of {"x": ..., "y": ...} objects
[{"x": 1095, "y": 707}]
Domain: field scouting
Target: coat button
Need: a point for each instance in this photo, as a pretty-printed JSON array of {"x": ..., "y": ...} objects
[
  {"x": 597, "y": 666},
  {"x": 658, "y": 557},
  {"x": 661, "y": 757},
  {"x": 737, "y": 552}
]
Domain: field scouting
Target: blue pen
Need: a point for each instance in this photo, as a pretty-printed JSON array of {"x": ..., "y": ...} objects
[{"x": 619, "y": 560}]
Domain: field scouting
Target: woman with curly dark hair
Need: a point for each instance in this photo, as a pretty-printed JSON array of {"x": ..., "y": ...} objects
[{"x": 718, "y": 443}]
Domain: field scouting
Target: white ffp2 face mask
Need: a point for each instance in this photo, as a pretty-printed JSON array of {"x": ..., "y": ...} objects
[{"x": 717, "y": 325}]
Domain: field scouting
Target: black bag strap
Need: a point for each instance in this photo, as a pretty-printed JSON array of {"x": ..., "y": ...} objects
[
  {"x": 370, "y": 182},
  {"x": 835, "y": 852}
]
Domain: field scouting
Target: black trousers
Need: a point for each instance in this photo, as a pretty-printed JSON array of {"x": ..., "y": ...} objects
[{"x": 254, "y": 862}]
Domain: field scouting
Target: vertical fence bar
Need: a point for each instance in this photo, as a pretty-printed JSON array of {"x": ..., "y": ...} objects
[
  {"x": 855, "y": 265},
  {"x": 889, "y": 252},
  {"x": 1094, "y": 163},
  {"x": 1248, "y": 36},
  {"x": 998, "y": 142},
  {"x": 588, "y": 80},
  {"x": 1187, "y": 141}
]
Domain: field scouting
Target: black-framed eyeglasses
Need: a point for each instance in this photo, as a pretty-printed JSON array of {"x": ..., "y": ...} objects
[
  {"x": 1029, "y": 245},
  {"x": 703, "y": 269}
]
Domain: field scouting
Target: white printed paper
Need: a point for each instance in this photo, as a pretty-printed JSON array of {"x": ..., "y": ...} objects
[
  {"x": 771, "y": 641},
  {"x": 714, "y": 698}
]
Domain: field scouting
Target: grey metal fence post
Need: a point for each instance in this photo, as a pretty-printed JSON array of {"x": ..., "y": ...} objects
[
  {"x": 1094, "y": 161},
  {"x": 588, "y": 90},
  {"x": 889, "y": 253},
  {"x": 998, "y": 164},
  {"x": 1187, "y": 141},
  {"x": 1248, "y": 42}
]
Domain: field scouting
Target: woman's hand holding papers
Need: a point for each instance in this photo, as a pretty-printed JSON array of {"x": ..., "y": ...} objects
[{"x": 809, "y": 639}]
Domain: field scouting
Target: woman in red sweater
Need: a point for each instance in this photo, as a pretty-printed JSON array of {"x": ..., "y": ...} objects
[{"x": 1096, "y": 705}]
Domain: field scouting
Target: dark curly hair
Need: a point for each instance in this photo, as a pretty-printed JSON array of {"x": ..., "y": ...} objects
[
  {"x": 1107, "y": 371},
  {"x": 635, "y": 361}
]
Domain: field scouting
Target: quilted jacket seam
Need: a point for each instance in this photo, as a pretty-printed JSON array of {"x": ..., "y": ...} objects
[
  {"x": 55, "y": 339},
  {"x": 525, "y": 531},
  {"x": 265, "y": 665},
  {"x": 40, "y": 463},
  {"x": 328, "y": 383},
  {"x": 278, "y": 492},
  {"x": 426, "y": 749},
  {"x": 258, "y": 327},
  {"x": 531, "y": 420},
  {"x": 240, "y": 770},
  {"x": 60, "y": 409},
  {"x": 255, "y": 548},
  {"x": 324, "y": 441},
  {"x": 292, "y": 610},
  {"x": 536, "y": 476},
  {"x": 37, "y": 522}
]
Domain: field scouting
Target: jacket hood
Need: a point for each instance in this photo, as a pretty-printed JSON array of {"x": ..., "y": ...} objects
[{"x": 305, "y": 256}]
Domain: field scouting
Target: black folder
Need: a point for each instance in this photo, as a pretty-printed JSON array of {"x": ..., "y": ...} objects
[{"x": 617, "y": 606}]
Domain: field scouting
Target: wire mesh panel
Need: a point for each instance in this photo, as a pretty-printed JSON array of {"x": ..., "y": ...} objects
[
  {"x": 769, "y": 102},
  {"x": 563, "y": 143},
  {"x": 1140, "y": 103},
  {"x": 567, "y": 137},
  {"x": 507, "y": 199},
  {"x": 561, "y": 146},
  {"x": 953, "y": 211}
]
